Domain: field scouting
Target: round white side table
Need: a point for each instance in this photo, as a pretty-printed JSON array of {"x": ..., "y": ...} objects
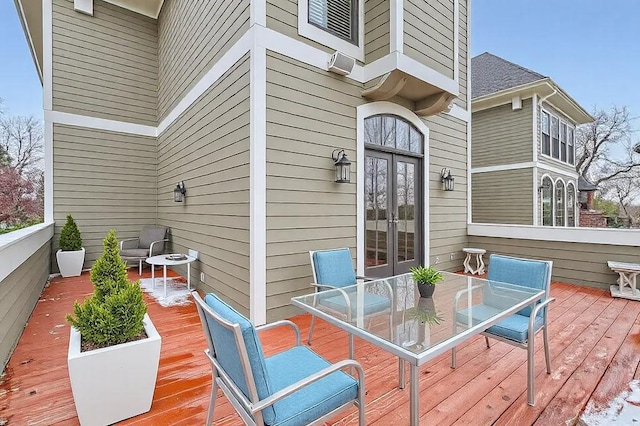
[
  {"x": 170, "y": 260},
  {"x": 471, "y": 252}
]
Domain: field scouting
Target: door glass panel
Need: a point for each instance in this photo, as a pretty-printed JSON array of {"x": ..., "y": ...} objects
[
  {"x": 389, "y": 131},
  {"x": 415, "y": 144},
  {"x": 372, "y": 132},
  {"x": 406, "y": 199},
  {"x": 376, "y": 193},
  {"x": 402, "y": 135}
]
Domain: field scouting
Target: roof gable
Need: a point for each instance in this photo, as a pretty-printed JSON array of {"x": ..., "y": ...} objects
[{"x": 491, "y": 74}]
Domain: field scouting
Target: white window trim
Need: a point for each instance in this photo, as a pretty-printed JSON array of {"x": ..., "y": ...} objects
[
  {"x": 310, "y": 31},
  {"x": 569, "y": 125},
  {"x": 553, "y": 207},
  {"x": 564, "y": 202},
  {"x": 575, "y": 198}
]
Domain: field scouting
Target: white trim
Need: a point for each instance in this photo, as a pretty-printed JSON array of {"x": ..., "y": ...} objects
[
  {"x": 25, "y": 24},
  {"x": 536, "y": 194},
  {"x": 99, "y": 123},
  {"x": 47, "y": 54},
  {"x": 396, "y": 26},
  {"x": 258, "y": 13},
  {"x": 18, "y": 246},
  {"x": 456, "y": 41},
  {"x": 503, "y": 167},
  {"x": 460, "y": 113},
  {"x": 424, "y": 73},
  {"x": 298, "y": 50},
  {"x": 553, "y": 204},
  {"x": 258, "y": 184},
  {"x": 48, "y": 170},
  {"x": 362, "y": 112},
  {"x": 564, "y": 202},
  {"x": 227, "y": 60},
  {"x": 534, "y": 146},
  {"x": 469, "y": 143},
  {"x": 310, "y": 31},
  {"x": 617, "y": 237},
  {"x": 557, "y": 170},
  {"x": 534, "y": 102},
  {"x": 377, "y": 68}
]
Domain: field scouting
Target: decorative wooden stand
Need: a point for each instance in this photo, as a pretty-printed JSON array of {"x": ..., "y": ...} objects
[
  {"x": 626, "y": 287},
  {"x": 479, "y": 262}
]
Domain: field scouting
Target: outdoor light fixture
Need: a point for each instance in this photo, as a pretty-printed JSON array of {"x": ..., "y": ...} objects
[
  {"x": 343, "y": 166},
  {"x": 446, "y": 179},
  {"x": 179, "y": 192}
]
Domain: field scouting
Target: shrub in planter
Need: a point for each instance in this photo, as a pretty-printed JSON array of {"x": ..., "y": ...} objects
[
  {"x": 115, "y": 312},
  {"x": 426, "y": 279},
  {"x": 70, "y": 256}
]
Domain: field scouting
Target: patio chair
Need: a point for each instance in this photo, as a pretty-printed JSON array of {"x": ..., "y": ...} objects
[
  {"x": 333, "y": 269},
  {"x": 151, "y": 242},
  {"x": 293, "y": 387},
  {"x": 520, "y": 328}
]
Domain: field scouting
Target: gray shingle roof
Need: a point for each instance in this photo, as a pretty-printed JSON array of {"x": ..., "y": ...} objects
[
  {"x": 491, "y": 74},
  {"x": 585, "y": 185}
]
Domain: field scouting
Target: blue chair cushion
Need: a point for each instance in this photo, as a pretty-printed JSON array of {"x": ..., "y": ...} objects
[
  {"x": 514, "y": 327},
  {"x": 334, "y": 267},
  {"x": 313, "y": 401},
  {"x": 227, "y": 351},
  {"x": 524, "y": 272},
  {"x": 373, "y": 303}
]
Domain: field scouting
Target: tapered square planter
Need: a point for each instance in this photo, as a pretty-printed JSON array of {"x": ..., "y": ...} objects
[
  {"x": 70, "y": 262},
  {"x": 114, "y": 383}
]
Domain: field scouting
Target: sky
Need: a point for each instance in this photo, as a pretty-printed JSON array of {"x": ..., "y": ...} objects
[{"x": 591, "y": 48}]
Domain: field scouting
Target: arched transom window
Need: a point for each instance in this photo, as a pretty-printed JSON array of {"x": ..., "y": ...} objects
[
  {"x": 571, "y": 205},
  {"x": 547, "y": 202},
  {"x": 559, "y": 201},
  {"x": 392, "y": 132}
]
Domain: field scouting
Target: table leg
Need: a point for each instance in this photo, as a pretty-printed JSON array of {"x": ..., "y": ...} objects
[
  {"x": 401, "y": 379},
  {"x": 414, "y": 402},
  {"x": 164, "y": 272},
  {"x": 153, "y": 275},
  {"x": 189, "y": 276}
]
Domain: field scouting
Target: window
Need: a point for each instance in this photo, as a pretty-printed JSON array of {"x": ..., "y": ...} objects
[
  {"x": 338, "y": 17},
  {"x": 547, "y": 197},
  {"x": 559, "y": 202},
  {"x": 571, "y": 153},
  {"x": 392, "y": 132},
  {"x": 555, "y": 137},
  {"x": 571, "y": 205},
  {"x": 546, "y": 136},
  {"x": 563, "y": 142}
]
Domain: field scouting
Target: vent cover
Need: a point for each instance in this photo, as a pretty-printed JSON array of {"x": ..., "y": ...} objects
[{"x": 341, "y": 63}]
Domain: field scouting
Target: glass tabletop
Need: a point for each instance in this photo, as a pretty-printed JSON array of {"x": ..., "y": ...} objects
[{"x": 391, "y": 313}]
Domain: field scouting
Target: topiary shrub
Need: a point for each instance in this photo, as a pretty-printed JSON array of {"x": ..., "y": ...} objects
[
  {"x": 115, "y": 312},
  {"x": 70, "y": 239}
]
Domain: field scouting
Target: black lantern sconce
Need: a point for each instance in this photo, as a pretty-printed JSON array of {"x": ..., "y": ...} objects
[
  {"x": 343, "y": 166},
  {"x": 446, "y": 179},
  {"x": 179, "y": 192}
]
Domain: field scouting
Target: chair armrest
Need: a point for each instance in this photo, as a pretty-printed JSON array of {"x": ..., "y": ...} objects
[
  {"x": 280, "y": 324},
  {"x": 261, "y": 405},
  {"x": 461, "y": 292},
  {"x": 365, "y": 279},
  {"x": 155, "y": 242},
  {"x": 127, "y": 240},
  {"x": 319, "y": 287},
  {"x": 534, "y": 313}
]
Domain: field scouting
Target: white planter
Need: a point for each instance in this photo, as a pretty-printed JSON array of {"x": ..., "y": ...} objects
[
  {"x": 114, "y": 383},
  {"x": 70, "y": 262}
]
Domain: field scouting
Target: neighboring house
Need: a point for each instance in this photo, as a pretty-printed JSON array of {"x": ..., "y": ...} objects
[
  {"x": 523, "y": 146},
  {"x": 235, "y": 99}
]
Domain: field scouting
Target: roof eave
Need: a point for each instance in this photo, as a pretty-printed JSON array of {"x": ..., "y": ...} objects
[{"x": 33, "y": 9}]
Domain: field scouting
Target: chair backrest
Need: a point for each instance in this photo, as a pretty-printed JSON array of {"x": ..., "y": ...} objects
[
  {"x": 525, "y": 272},
  {"x": 234, "y": 343},
  {"x": 333, "y": 267},
  {"x": 150, "y": 234}
]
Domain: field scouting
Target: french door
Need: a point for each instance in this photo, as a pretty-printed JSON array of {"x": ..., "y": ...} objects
[{"x": 393, "y": 213}]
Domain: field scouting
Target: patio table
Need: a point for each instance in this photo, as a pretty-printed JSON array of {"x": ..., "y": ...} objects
[
  {"x": 411, "y": 339},
  {"x": 165, "y": 260}
]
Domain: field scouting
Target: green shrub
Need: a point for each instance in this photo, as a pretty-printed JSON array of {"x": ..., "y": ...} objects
[
  {"x": 70, "y": 239},
  {"x": 115, "y": 312},
  {"x": 427, "y": 275}
]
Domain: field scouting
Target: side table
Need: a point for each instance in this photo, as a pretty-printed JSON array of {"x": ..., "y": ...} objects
[
  {"x": 478, "y": 258},
  {"x": 626, "y": 287},
  {"x": 170, "y": 260}
]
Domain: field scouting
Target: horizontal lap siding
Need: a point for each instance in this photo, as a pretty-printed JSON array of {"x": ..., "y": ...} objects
[
  {"x": 461, "y": 100},
  {"x": 105, "y": 180},
  {"x": 503, "y": 197},
  {"x": 376, "y": 29},
  {"x": 105, "y": 65},
  {"x": 428, "y": 34},
  {"x": 19, "y": 293},
  {"x": 306, "y": 209},
  {"x": 207, "y": 147},
  {"x": 193, "y": 35},
  {"x": 447, "y": 209},
  {"x": 501, "y": 135},
  {"x": 576, "y": 263}
]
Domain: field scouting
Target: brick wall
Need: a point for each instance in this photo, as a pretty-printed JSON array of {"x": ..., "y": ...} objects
[{"x": 592, "y": 219}]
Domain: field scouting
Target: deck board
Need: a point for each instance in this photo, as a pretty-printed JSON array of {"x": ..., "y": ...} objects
[{"x": 595, "y": 351}]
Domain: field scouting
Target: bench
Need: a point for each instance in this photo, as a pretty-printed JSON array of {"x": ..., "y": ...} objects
[{"x": 627, "y": 273}]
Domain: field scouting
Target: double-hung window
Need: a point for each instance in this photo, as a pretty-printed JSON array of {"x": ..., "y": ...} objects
[
  {"x": 338, "y": 17},
  {"x": 555, "y": 137},
  {"x": 571, "y": 147},
  {"x": 563, "y": 142},
  {"x": 546, "y": 135}
]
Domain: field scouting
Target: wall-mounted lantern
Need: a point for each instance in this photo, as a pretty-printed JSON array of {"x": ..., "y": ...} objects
[
  {"x": 179, "y": 192},
  {"x": 446, "y": 179},
  {"x": 343, "y": 166}
]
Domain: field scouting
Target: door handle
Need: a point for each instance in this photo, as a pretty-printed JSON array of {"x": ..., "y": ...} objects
[{"x": 393, "y": 219}]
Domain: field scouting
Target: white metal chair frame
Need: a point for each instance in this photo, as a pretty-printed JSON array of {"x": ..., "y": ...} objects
[
  {"x": 140, "y": 259},
  {"x": 251, "y": 410}
]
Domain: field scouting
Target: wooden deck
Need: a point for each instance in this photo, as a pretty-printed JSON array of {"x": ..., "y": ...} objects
[{"x": 595, "y": 349}]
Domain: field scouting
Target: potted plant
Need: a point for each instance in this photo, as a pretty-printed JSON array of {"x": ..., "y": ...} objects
[
  {"x": 114, "y": 349},
  {"x": 426, "y": 279},
  {"x": 70, "y": 254}
]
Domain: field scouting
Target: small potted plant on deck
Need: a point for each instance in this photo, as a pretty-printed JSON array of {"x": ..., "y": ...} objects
[
  {"x": 426, "y": 279},
  {"x": 70, "y": 255},
  {"x": 114, "y": 349}
]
